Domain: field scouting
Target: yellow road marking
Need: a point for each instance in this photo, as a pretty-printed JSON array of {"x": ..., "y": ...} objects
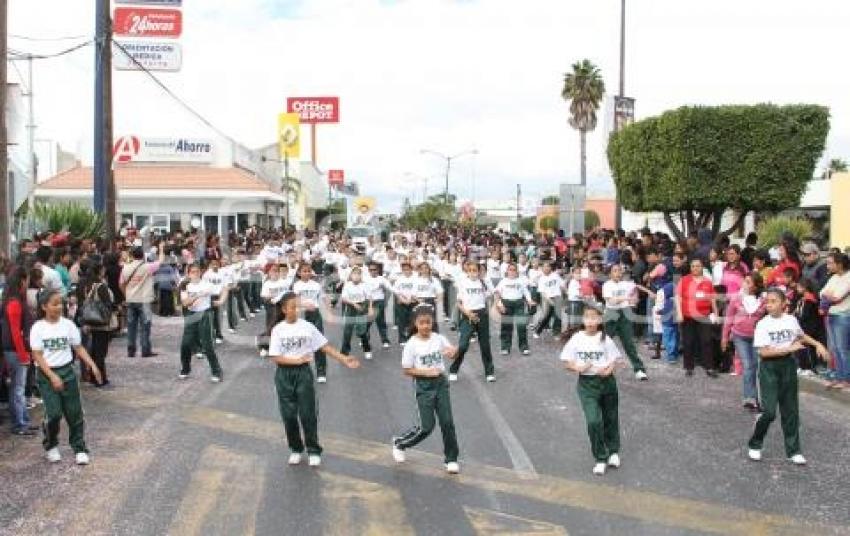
[
  {"x": 490, "y": 523},
  {"x": 374, "y": 509},
  {"x": 223, "y": 496},
  {"x": 650, "y": 507}
]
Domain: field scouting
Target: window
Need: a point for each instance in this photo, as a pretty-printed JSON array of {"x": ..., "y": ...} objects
[
  {"x": 159, "y": 223},
  {"x": 142, "y": 220},
  {"x": 211, "y": 224},
  {"x": 175, "y": 223}
]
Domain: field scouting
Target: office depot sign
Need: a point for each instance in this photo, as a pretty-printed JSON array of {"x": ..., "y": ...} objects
[
  {"x": 314, "y": 110},
  {"x": 147, "y": 22}
]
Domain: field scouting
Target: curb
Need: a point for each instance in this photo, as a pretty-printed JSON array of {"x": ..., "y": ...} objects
[{"x": 817, "y": 386}]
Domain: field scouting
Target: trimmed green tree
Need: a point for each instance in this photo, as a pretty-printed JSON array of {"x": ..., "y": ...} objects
[{"x": 694, "y": 163}]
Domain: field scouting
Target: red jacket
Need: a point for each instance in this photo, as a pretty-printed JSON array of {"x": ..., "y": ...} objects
[
  {"x": 695, "y": 297},
  {"x": 15, "y": 319}
]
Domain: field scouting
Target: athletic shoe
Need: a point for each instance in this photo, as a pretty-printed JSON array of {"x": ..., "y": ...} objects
[
  {"x": 806, "y": 373},
  {"x": 243, "y": 319},
  {"x": 314, "y": 460},
  {"x": 535, "y": 335},
  {"x": 755, "y": 455},
  {"x": 183, "y": 375},
  {"x": 711, "y": 373},
  {"x": 24, "y": 432},
  {"x": 53, "y": 455},
  {"x": 641, "y": 375},
  {"x": 614, "y": 460},
  {"x": 473, "y": 339},
  {"x": 402, "y": 344},
  {"x": 199, "y": 355},
  {"x": 252, "y": 315},
  {"x": 321, "y": 379},
  {"x": 219, "y": 340},
  {"x": 599, "y": 469},
  {"x": 264, "y": 353},
  {"x": 733, "y": 373},
  {"x": 294, "y": 458},
  {"x": 797, "y": 459},
  {"x": 750, "y": 404},
  {"x": 385, "y": 345},
  {"x": 216, "y": 379},
  {"x": 503, "y": 352},
  {"x": 526, "y": 352},
  {"x": 82, "y": 458},
  {"x": 452, "y": 377},
  {"x": 452, "y": 468},
  {"x": 490, "y": 378},
  {"x": 368, "y": 355},
  {"x": 398, "y": 454},
  {"x": 231, "y": 330}
]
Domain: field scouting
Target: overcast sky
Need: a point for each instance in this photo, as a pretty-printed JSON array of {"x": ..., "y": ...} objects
[{"x": 447, "y": 75}]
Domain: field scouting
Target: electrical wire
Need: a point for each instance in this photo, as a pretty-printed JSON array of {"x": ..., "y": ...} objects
[
  {"x": 15, "y": 54},
  {"x": 30, "y": 38}
]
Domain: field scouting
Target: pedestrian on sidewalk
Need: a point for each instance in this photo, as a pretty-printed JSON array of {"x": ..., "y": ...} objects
[
  {"x": 423, "y": 359},
  {"x": 196, "y": 296},
  {"x": 292, "y": 345},
  {"x": 620, "y": 296},
  {"x": 593, "y": 355},
  {"x": 17, "y": 322},
  {"x": 311, "y": 298},
  {"x": 55, "y": 340},
  {"x": 744, "y": 311},
  {"x": 696, "y": 311},
  {"x": 835, "y": 301},
  {"x": 472, "y": 295},
  {"x": 137, "y": 279},
  {"x": 778, "y": 337}
]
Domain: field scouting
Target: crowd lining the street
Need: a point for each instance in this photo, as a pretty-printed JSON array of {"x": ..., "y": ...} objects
[{"x": 763, "y": 315}]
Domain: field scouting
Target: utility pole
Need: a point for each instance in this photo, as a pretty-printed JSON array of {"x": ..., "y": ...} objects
[
  {"x": 448, "y": 170},
  {"x": 104, "y": 183},
  {"x": 285, "y": 191},
  {"x": 4, "y": 149},
  {"x": 31, "y": 139},
  {"x": 618, "y": 209},
  {"x": 518, "y": 208}
]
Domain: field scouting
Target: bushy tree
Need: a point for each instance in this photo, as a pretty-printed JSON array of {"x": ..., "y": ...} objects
[{"x": 697, "y": 162}]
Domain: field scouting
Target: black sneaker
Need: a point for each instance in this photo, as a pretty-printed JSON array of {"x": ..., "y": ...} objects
[
  {"x": 25, "y": 432},
  {"x": 711, "y": 373}
]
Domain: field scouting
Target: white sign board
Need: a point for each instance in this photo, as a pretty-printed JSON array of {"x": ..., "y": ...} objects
[
  {"x": 185, "y": 150},
  {"x": 152, "y": 55}
]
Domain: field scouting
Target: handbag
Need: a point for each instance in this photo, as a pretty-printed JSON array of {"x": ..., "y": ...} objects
[{"x": 94, "y": 312}]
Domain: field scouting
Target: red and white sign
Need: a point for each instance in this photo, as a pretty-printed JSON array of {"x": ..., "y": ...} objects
[
  {"x": 147, "y": 22},
  {"x": 336, "y": 177},
  {"x": 314, "y": 109},
  {"x": 126, "y": 149}
]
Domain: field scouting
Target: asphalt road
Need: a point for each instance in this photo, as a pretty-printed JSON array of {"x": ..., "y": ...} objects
[{"x": 172, "y": 457}]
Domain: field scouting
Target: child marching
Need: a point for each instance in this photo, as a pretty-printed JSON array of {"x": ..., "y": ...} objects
[
  {"x": 310, "y": 297},
  {"x": 512, "y": 295},
  {"x": 472, "y": 294},
  {"x": 54, "y": 340},
  {"x": 271, "y": 292},
  {"x": 196, "y": 296},
  {"x": 593, "y": 356},
  {"x": 292, "y": 345},
  {"x": 423, "y": 360},
  {"x": 356, "y": 310},
  {"x": 777, "y": 338},
  {"x": 379, "y": 289}
]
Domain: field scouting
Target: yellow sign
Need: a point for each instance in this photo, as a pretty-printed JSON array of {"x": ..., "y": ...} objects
[{"x": 289, "y": 135}]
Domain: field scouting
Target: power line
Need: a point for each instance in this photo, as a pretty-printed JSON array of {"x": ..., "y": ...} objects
[
  {"x": 30, "y": 38},
  {"x": 15, "y": 54}
]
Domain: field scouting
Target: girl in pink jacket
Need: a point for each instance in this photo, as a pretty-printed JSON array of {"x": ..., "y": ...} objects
[{"x": 742, "y": 314}]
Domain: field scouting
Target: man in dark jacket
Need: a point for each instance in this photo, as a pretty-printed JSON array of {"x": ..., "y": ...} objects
[{"x": 813, "y": 267}]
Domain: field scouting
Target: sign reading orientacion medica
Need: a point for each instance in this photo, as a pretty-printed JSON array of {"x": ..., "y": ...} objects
[
  {"x": 151, "y": 55},
  {"x": 173, "y": 150},
  {"x": 314, "y": 110}
]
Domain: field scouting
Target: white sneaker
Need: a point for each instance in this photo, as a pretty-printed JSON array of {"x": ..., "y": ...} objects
[
  {"x": 231, "y": 330},
  {"x": 452, "y": 468},
  {"x": 314, "y": 460},
  {"x": 385, "y": 345},
  {"x": 199, "y": 355},
  {"x": 599, "y": 469},
  {"x": 398, "y": 454},
  {"x": 252, "y": 315},
  {"x": 641, "y": 375},
  {"x": 797, "y": 459},
  {"x": 215, "y": 379},
  {"x": 321, "y": 379},
  {"x": 503, "y": 352},
  {"x": 452, "y": 377},
  {"x": 219, "y": 340},
  {"x": 755, "y": 455},
  {"x": 294, "y": 458},
  {"x": 183, "y": 376},
  {"x": 526, "y": 352},
  {"x": 368, "y": 355},
  {"x": 264, "y": 353},
  {"x": 535, "y": 335},
  {"x": 490, "y": 378},
  {"x": 53, "y": 455},
  {"x": 82, "y": 458},
  {"x": 614, "y": 460}
]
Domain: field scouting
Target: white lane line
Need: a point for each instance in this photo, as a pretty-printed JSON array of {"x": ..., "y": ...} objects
[{"x": 519, "y": 457}]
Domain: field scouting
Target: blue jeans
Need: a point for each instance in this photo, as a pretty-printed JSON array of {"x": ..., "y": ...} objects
[
  {"x": 750, "y": 363},
  {"x": 139, "y": 316},
  {"x": 838, "y": 328},
  {"x": 17, "y": 400},
  {"x": 670, "y": 339}
]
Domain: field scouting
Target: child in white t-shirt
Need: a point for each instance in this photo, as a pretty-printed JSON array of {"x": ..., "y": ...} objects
[
  {"x": 594, "y": 356},
  {"x": 54, "y": 340},
  {"x": 423, "y": 360}
]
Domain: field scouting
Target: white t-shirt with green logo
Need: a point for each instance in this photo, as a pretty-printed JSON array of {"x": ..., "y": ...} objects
[
  {"x": 55, "y": 340},
  {"x": 295, "y": 340},
  {"x": 425, "y": 353},
  {"x": 777, "y": 333},
  {"x": 582, "y": 349}
]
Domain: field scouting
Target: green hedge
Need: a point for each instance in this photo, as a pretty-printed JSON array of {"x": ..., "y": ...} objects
[{"x": 712, "y": 158}]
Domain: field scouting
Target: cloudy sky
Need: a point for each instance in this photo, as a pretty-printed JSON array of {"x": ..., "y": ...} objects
[{"x": 447, "y": 75}]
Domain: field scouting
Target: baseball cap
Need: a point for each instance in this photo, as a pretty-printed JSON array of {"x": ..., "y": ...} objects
[{"x": 809, "y": 248}]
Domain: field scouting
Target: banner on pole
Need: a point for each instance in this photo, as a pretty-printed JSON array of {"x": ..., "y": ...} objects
[
  {"x": 314, "y": 110},
  {"x": 289, "y": 135},
  {"x": 153, "y": 56},
  {"x": 147, "y": 22}
]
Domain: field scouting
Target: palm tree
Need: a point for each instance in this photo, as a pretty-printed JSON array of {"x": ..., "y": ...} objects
[{"x": 583, "y": 89}]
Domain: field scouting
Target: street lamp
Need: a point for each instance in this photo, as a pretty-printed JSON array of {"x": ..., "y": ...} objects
[
  {"x": 448, "y": 160},
  {"x": 285, "y": 163},
  {"x": 424, "y": 183}
]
